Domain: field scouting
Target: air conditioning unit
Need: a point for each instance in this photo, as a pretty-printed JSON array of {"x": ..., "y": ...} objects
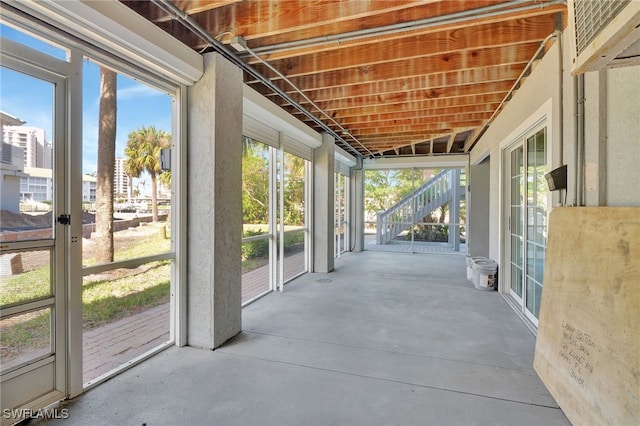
[{"x": 605, "y": 33}]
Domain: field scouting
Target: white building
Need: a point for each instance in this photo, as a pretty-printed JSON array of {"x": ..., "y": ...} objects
[
  {"x": 11, "y": 166},
  {"x": 37, "y": 186},
  {"x": 120, "y": 179},
  {"x": 37, "y": 151}
]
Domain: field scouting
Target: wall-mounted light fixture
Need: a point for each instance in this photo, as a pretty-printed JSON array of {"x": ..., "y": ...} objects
[{"x": 557, "y": 178}]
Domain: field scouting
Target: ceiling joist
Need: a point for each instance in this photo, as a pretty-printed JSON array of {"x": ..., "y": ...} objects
[{"x": 404, "y": 77}]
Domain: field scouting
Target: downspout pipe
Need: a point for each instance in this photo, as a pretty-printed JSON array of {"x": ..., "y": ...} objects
[
  {"x": 561, "y": 111},
  {"x": 579, "y": 138},
  {"x": 197, "y": 29}
]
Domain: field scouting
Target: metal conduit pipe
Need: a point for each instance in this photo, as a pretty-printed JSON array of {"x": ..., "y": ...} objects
[
  {"x": 580, "y": 163},
  {"x": 576, "y": 142},
  {"x": 198, "y": 30},
  {"x": 561, "y": 115},
  {"x": 282, "y": 76},
  {"x": 458, "y": 17}
]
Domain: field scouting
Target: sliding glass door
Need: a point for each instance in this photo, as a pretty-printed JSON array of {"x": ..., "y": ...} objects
[
  {"x": 275, "y": 231},
  {"x": 526, "y": 225}
]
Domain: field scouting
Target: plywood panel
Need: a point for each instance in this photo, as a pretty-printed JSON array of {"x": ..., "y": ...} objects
[{"x": 588, "y": 350}]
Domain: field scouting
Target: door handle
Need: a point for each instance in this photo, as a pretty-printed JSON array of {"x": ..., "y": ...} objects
[{"x": 64, "y": 219}]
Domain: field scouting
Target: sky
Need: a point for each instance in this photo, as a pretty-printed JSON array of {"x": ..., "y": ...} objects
[{"x": 31, "y": 99}]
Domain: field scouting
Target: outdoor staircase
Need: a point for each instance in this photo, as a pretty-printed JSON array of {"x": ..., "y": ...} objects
[{"x": 441, "y": 189}]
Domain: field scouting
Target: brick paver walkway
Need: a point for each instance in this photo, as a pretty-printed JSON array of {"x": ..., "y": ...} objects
[{"x": 112, "y": 345}]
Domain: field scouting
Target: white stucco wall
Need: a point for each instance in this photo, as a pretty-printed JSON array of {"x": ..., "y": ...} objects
[
  {"x": 538, "y": 96},
  {"x": 611, "y": 169},
  {"x": 623, "y": 137},
  {"x": 10, "y": 192}
]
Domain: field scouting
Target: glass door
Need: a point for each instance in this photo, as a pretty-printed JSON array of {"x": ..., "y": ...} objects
[
  {"x": 536, "y": 241},
  {"x": 516, "y": 229},
  {"x": 33, "y": 234},
  {"x": 527, "y": 203}
]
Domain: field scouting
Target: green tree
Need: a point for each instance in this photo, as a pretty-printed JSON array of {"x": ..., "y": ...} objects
[
  {"x": 143, "y": 154},
  {"x": 255, "y": 182},
  {"x": 294, "y": 185},
  {"x": 165, "y": 178},
  {"x": 106, "y": 166}
]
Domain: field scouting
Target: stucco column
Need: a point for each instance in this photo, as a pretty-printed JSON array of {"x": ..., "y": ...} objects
[
  {"x": 357, "y": 209},
  {"x": 215, "y": 205},
  {"x": 454, "y": 211},
  {"x": 323, "y": 205}
]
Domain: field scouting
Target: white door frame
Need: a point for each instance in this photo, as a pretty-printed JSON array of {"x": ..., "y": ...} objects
[
  {"x": 45, "y": 381},
  {"x": 541, "y": 119}
]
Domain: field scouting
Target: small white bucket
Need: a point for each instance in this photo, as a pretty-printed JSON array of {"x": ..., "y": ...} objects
[
  {"x": 484, "y": 274},
  {"x": 470, "y": 261}
]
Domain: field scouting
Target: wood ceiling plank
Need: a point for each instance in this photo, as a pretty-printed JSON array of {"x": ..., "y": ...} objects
[
  {"x": 413, "y": 106},
  {"x": 336, "y": 44},
  {"x": 431, "y": 81},
  {"x": 520, "y": 31},
  {"x": 417, "y": 128},
  {"x": 404, "y": 139},
  {"x": 156, "y": 15},
  {"x": 422, "y": 121},
  {"x": 410, "y": 117},
  {"x": 260, "y": 19},
  {"x": 415, "y": 137},
  {"x": 416, "y": 96},
  {"x": 409, "y": 13},
  {"x": 191, "y": 7},
  {"x": 388, "y": 133},
  {"x": 441, "y": 63}
]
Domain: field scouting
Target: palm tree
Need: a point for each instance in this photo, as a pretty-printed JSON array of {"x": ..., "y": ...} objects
[
  {"x": 106, "y": 166},
  {"x": 143, "y": 154}
]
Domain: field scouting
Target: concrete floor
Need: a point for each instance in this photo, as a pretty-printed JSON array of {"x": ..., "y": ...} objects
[{"x": 387, "y": 338}]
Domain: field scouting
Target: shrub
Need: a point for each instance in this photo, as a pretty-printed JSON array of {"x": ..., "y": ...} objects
[{"x": 254, "y": 249}]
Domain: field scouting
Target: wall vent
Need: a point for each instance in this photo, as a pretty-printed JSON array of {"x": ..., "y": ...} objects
[{"x": 605, "y": 33}]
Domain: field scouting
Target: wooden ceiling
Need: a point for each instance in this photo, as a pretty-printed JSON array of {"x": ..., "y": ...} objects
[{"x": 392, "y": 77}]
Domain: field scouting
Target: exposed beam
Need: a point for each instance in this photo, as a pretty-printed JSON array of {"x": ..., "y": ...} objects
[
  {"x": 450, "y": 142},
  {"x": 431, "y": 104},
  {"x": 424, "y": 82},
  {"x": 408, "y": 14},
  {"x": 190, "y": 7},
  {"x": 345, "y": 41},
  {"x": 417, "y": 96},
  {"x": 519, "y": 31},
  {"x": 415, "y": 67},
  {"x": 409, "y": 116},
  {"x": 283, "y": 20},
  {"x": 470, "y": 139},
  {"x": 367, "y": 125},
  {"x": 361, "y": 132}
]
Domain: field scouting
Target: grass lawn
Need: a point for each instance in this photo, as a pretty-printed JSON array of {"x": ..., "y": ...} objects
[{"x": 106, "y": 297}]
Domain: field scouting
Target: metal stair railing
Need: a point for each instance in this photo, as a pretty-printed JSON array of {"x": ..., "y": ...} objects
[{"x": 425, "y": 199}]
